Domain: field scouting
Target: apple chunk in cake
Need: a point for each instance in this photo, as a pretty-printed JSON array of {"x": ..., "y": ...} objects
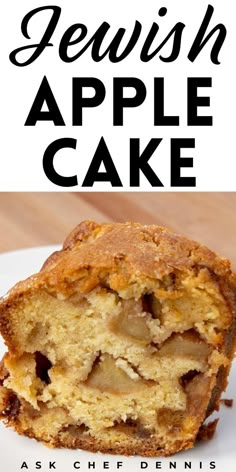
[{"x": 122, "y": 343}]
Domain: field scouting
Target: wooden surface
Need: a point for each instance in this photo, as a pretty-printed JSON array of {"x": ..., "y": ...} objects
[{"x": 33, "y": 219}]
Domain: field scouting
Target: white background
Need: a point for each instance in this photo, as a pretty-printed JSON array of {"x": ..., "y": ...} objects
[{"x": 22, "y": 148}]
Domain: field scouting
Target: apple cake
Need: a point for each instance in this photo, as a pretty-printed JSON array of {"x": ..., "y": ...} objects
[{"x": 122, "y": 343}]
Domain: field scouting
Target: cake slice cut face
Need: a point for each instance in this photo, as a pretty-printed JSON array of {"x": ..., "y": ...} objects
[{"x": 122, "y": 343}]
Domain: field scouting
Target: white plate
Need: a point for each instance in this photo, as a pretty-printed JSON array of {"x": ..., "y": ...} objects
[{"x": 15, "y": 450}]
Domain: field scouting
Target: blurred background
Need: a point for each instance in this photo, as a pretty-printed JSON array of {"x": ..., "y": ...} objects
[{"x": 35, "y": 219}]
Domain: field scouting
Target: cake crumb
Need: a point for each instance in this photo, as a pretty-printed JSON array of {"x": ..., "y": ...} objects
[
  {"x": 207, "y": 431},
  {"x": 227, "y": 402}
]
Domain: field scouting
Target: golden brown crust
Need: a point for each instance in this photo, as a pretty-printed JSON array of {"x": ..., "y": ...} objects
[{"x": 149, "y": 251}]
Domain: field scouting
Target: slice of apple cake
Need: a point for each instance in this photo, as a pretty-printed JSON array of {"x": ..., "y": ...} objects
[{"x": 122, "y": 343}]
